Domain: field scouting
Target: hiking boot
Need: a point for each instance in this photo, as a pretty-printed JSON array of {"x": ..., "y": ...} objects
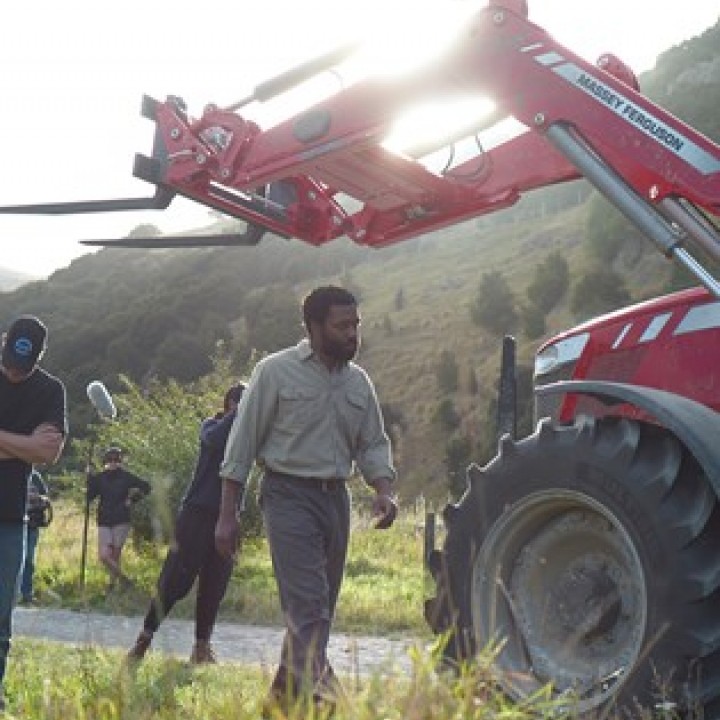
[
  {"x": 202, "y": 653},
  {"x": 138, "y": 650}
]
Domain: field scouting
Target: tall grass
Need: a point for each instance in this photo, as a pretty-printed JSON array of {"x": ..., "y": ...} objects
[
  {"x": 383, "y": 591},
  {"x": 47, "y": 681}
]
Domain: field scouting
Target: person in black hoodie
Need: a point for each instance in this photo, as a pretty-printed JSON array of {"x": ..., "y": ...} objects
[
  {"x": 118, "y": 490},
  {"x": 193, "y": 555}
]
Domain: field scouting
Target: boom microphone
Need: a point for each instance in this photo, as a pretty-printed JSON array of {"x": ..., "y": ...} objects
[{"x": 101, "y": 400}]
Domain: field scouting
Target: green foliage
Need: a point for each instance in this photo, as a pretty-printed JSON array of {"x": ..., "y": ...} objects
[
  {"x": 144, "y": 230},
  {"x": 598, "y": 291},
  {"x": 685, "y": 82},
  {"x": 447, "y": 372},
  {"x": 161, "y": 313},
  {"x": 273, "y": 319},
  {"x": 533, "y": 321},
  {"x": 550, "y": 282},
  {"x": 446, "y": 414},
  {"x": 157, "y": 427},
  {"x": 494, "y": 305}
]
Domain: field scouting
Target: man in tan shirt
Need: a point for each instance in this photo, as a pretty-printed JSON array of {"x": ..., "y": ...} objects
[{"x": 308, "y": 416}]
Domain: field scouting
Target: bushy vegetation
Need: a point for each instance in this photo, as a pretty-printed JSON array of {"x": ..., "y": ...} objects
[
  {"x": 157, "y": 428},
  {"x": 598, "y": 291},
  {"x": 494, "y": 305}
]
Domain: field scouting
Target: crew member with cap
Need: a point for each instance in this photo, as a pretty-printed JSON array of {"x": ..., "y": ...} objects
[
  {"x": 33, "y": 426},
  {"x": 118, "y": 490}
]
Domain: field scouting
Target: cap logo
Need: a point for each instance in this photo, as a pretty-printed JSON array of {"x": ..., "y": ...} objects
[{"x": 23, "y": 347}]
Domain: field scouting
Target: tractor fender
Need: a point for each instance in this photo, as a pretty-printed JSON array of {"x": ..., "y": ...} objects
[{"x": 694, "y": 424}]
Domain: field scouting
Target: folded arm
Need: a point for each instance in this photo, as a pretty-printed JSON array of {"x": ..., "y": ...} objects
[{"x": 42, "y": 447}]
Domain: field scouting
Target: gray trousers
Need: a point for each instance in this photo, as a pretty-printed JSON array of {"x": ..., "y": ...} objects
[{"x": 307, "y": 527}]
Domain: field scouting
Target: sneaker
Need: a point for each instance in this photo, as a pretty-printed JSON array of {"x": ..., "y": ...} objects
[
  {"x": 141, "y": 646},
  {"x": 202, "y": 653}
]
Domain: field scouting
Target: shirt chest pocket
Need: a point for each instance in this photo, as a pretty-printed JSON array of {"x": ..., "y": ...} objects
[
  {"x": 354, "y": 410},
  {"x": 299, "y": 407}
]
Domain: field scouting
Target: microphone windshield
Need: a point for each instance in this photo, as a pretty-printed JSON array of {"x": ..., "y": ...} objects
[{"x": 101, "y": 400}]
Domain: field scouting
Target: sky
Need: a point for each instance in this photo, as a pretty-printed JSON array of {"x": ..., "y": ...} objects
[{"x": 74, "y": 73}]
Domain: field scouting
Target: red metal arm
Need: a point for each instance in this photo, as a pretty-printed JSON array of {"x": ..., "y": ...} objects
[{"x": 334, "y": 149}]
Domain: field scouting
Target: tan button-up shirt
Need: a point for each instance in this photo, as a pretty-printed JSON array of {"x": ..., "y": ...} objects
[{"x": 298, "y": 417}]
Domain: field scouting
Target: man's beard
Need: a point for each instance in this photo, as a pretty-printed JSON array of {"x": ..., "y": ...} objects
[{"x": 341, "y": 352}]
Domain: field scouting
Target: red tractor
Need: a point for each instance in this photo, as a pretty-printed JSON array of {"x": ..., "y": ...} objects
[
  {"x": 587, "y": 554},
  {"x": 589, "y": 550}
]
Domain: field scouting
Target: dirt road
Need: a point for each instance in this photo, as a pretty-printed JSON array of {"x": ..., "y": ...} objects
[{"x": 349, "y": 654}]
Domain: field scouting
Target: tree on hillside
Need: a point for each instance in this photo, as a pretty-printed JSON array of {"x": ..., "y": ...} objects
[
  {"x": 533, "y": 321},
  {"x": 447, "y": 372},
  {"x": 144, "y": 230},
  {"x": 273, "y": 319},
  {"x": 598, "y": 291},
  {"x": 550, "y": 282},
  {"x": 494, "y": 305}
]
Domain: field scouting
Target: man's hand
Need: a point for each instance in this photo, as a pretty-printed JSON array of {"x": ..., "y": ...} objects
[
  {"x": 226, "y": 528},
  {"x": 226, "y": 536},
  {"x": 134, "y": 494},
  {"x": 48, "y": 441},
  {"x": 384, "y": 506}
]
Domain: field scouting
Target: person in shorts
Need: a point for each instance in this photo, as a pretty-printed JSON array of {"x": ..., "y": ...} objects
[{"x": 118, "y": 490}]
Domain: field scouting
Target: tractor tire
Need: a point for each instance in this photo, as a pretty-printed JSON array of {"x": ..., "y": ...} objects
[{"x": 588, "y": 558}]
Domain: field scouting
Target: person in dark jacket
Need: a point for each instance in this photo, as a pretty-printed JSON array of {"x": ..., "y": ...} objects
[
  {"x": 37, "y": 517},
  {"x": 117, "y": 490},
  {"x": 193, "y": 555}
]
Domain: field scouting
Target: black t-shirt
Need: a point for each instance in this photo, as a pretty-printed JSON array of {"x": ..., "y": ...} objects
[
  {"x": 24, "y": 406},
  {"x": 113, "y": 487}
]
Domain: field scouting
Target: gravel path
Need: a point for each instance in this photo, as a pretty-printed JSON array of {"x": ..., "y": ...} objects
[{"x": 349, "y": 654}]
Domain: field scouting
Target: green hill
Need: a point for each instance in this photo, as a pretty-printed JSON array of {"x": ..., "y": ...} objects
[{"x": 162, "y": 312}]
